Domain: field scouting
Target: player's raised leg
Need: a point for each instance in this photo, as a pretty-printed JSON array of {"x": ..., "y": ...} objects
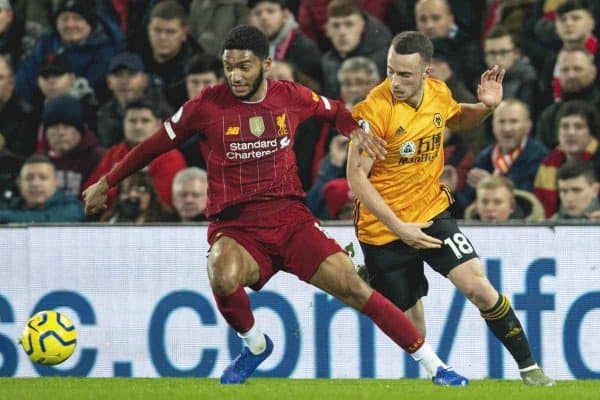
[
  {"x": 337, "y": 276},
  {"x": 230, "y": 269},
  {"x": 500, "y": 317}
]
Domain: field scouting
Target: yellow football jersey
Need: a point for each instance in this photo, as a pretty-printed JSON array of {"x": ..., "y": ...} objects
[{"x": 409, "y": 178}]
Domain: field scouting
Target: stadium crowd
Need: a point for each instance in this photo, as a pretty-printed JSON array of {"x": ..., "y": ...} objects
[{"x": 82, "y": 82}]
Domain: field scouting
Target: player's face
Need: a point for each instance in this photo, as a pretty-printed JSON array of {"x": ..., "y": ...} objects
[
  {"x": 576, "y": 71},
  {"x": 189, "y": 199},
  {"x": 268, "y": 17},
  {"x": 510, "y": 125},
  {"x": 576, "y": 194},
  {"x": 494, "y": 205},
  {"x": 37, "y": 183},
  {"x": 406, "y": 73},
  {"x": 194, "y": 83},
  {"x": 244, "y": 73},
  {"x": 501, "y": 52},
  {"x": 433, "y": 18},
  {"x": 573, "y": 134},
  {"x": 575, "y": 26},
  {"x": 138, "y": 124}
]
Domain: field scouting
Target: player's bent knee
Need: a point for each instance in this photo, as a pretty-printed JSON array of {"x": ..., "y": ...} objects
[
  {"x": 481, "y": 293},
  {"x": 353, "y": 291}
]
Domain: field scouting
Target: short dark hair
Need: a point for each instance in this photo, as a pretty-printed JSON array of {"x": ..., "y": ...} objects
[
  {"x": 252, "y": 3},
  {"x": 246, "y": 37},
  {"x": 500, "y": 31},
  {"x": 572, "y": 5},
  {"x": 583, "y": 109},
  {"x": 38, "y": 158},
  {"x": 343, "y": 8},
  {"x": 410, "y": 42},
  {"x": 575, "y": 168},
  {"x": 202, "y": 63},
  {"x": 159, "y": 109},
  {"x": 169, "y": 9}
]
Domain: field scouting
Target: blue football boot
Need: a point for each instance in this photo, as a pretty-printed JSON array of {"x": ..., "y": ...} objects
[
  {"x": 245, "y": 364},
  {"x": 449, "y": 377}
]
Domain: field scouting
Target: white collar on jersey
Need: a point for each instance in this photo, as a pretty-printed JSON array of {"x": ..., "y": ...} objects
[{"x": 258, "y": 101}]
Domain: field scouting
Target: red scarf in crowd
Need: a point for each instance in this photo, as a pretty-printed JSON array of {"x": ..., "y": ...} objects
[{"x": 503, "y": 162}]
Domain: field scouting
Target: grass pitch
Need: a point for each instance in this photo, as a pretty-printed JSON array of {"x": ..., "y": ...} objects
[{"x": 281, "y": 389}]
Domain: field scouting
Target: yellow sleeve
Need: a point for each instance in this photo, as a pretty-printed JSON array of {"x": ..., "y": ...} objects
[{"x": 371, "y": 117}]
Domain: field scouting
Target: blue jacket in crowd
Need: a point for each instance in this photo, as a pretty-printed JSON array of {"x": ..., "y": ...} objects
[{"x": 61, "y": 207}]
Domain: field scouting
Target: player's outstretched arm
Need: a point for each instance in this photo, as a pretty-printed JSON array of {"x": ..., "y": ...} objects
[
  {"x": 489, "y": 94},
  {"x": 358, "y": 168}
]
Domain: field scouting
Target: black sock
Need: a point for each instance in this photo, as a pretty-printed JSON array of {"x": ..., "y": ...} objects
[{"x": 505, "y": 325}]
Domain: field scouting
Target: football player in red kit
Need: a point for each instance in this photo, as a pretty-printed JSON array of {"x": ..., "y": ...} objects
[{"x": 258, "y": 222}]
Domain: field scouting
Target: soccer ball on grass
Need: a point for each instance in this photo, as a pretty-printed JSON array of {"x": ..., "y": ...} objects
[{"x": 49, "y": 338}]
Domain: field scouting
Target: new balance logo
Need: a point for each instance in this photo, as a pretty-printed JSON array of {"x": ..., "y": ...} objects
[{"x": 232, "y": 130}]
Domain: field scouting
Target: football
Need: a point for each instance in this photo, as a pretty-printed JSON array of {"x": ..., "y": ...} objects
[{"x": 49, "y": 338}]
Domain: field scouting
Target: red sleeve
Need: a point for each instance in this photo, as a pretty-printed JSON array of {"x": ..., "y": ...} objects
[
  {"x": 174, "y": 131},
  {"x": 314, "y": 105},
  {"x": 141, "y": 155},
  {"x": 163, "y": 171}
]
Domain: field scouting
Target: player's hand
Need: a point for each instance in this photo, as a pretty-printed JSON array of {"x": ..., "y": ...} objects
[
  {"x": 94, "y": 197},
  {"x": 411, "y": 233},
  {"x": 475, "y": 175},
  {"x": 489, "y": 90},
  {"x": 372, "y": 145}
]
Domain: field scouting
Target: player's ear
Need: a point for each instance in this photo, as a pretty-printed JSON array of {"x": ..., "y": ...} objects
[
  {"x": 427, "y": 71},
  {"x": 267, "y": 64}
]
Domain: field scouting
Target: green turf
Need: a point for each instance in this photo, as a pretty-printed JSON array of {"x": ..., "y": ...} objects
[{"x": 280, "y": 389}]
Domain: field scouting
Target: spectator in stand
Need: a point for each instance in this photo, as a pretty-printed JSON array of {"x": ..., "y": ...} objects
[
  {"x": 578, "y": 191},
  {"x": 211, "y": 20},
  {"x": 18, "y": 122},
  {"x": 127, "y": 81},
  {"x": 575, "y": 27},
  {"x": 72, "y": 146},
  {"x": 498, "y": 201},
  {"x": 200, "y": 71},
  {"x": 189, "y": 194},
  {"x": 577, "y": 123},
  {"x": 56, "y": 77},
  {"x": 435, "y": 20},
  {"x": 396, "y": 14},
  {"x": 577, "y": 74},
  {"x": 339, "y": 199},
  {"x": 458, "y": 160},
  {"x": 352, "y": 33},
  {"x": 17, "y": 35},
  {"x": 286, "y": 41},
  {"x": 520, "y": 81},
  {"x": 138, "y": 202},
  {"x": 41, "y": 200},
  {"x": 514, "y": 154},
  {"x": 142, "y": 118},
  {"x": 167, "y": 48},
  {"x": 356, "y": 77},
  {"x": 331, "y": 167},
  {"x": 88, "y": 42}
]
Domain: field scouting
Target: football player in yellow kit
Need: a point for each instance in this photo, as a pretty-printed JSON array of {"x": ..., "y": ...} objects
[{"x": 401, "y": 211}]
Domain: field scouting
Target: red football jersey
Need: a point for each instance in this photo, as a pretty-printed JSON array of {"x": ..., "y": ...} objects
[{"x": 248, "y": 146}]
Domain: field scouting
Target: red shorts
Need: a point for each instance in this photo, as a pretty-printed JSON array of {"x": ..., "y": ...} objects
[{"x": 289, "y": 239}]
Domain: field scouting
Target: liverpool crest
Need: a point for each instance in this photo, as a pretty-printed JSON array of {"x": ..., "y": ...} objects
[{"x": 257, "y": 125}]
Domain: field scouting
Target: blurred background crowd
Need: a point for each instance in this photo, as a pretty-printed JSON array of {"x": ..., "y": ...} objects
[{"x": 82, "y": 82}]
